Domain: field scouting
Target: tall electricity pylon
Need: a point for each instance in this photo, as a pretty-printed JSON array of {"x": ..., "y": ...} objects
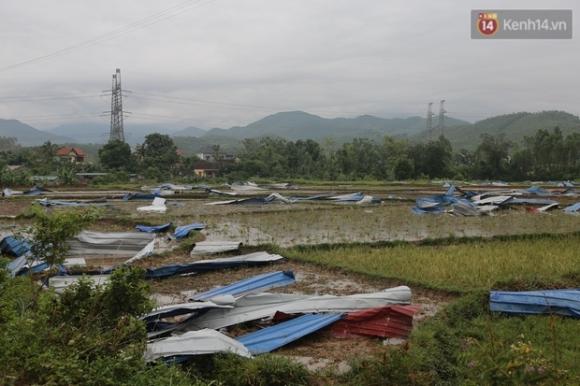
[
  {"x": 441, "y": 120},
  {"x": 117, "y": 132}
]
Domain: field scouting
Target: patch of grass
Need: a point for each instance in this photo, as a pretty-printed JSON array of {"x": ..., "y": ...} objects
[{"x": 458, "y": 267}]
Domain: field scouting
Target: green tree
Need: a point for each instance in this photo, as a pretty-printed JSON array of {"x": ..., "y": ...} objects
[
  {"x": 492, "y": 157},
  {"x": 116, "y": 155},
  {"x": 51, "y": 231},
  {"x": 159, "y": 152}
]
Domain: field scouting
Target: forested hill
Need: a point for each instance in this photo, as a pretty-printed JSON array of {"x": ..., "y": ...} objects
[
  {"x": 300, "y": 125},
  {"x": 514, "y": 127}
]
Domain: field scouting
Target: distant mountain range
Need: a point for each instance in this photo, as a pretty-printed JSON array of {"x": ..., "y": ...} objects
[
  {"x": 301, "y": 125},
  {"x": 26, "y": 134}
]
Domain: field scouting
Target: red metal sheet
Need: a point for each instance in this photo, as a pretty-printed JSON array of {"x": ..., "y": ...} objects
[{"x": 394, "y": 321}]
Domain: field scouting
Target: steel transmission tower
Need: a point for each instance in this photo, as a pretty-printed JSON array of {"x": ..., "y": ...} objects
[
  {"x": 117, "y": 133},
  {"x": 441, "y": 120},
  {"x": 430, "y": 116}
]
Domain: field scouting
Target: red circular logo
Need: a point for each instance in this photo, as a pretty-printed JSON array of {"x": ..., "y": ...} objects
[{"x": 487, "y": 24}]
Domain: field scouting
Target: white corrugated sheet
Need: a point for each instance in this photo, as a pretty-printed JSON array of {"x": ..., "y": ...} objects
[
  {"x": 209, "y": 247},
  {"x": 265, "y": 305},
  {"x": 157, "y": 206},
  {"x": 60, "y": 283},
  {"x": 194, "y": 343}
]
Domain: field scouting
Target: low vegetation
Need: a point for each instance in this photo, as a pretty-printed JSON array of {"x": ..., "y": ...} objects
[{"x": 466, "y": 345}]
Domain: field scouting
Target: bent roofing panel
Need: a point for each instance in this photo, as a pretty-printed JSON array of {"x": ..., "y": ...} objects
[
  {"x": 122, "y": 244},
  {"x": 60, "y": 283},
  {"x": 13, "y": 246},
  {"x": 194, "y": 343},
  {"x": 154, "y": 228},
  {"x": 264, "y": 305},
  {"x": 573, "y": 209},
  {"x": 184, "y": 230},
  {"x": 256, "y": 258},
  {"x": 182, "y": 309},
  {"x": 537, "y": 191},
  {"x": 495, "y": 200},
  {"x": 46, "y": 202},
  {"x": 271, "y": 338},
  {"x": 561, "y": 302},
  {"x": 158, "y": 205},
  {"x": 254, "y": 284},
  {"x": 351, "y": 197},
  {"x": 207, "y": 247},
  {"x": 393, "y": 321},
  {"x": 16, "y": 265},
  {"x": 529, "y": 201}
]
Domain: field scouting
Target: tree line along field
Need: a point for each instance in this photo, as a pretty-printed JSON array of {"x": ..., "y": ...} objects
[{"x": 548, "y": 154}]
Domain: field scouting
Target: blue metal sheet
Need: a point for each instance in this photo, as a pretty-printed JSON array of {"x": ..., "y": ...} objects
[
  {"x": 353, "y": 197},
  {"x": 249, "y": 260},
  {"x": 573, "y": 209},
  {"x": 154, "y": 228},
  {"x": 13, "y": 246},
  {"x": 562, "y": 302},
  {"x": 258, "y": 283},
  {"x": 184, "y": 230},
  {"x": 271, "y": 338},
  {"x": 537, "y": 191}
]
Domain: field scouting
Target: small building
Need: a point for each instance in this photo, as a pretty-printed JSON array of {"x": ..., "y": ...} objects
[
  {"x": 210, "y": 157},
  {"x": 205, "y": 169},
  {"x": 71, "y": 154}
]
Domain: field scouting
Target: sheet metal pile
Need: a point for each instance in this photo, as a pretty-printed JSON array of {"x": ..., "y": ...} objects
[
  {"x": 290, "y": 317},
  {"x": 466, "y": 203}
]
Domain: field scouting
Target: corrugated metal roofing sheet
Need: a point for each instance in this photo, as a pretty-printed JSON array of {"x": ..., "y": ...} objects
[
  {"x": 564, "y": 302},
  {"x": 394, "y": 321},
  {"x": 264, "y": 305},
  {"x": 210, "y": 247},
  {"x": 154, "y": 228},
  {"x": 60, "y": 283},
  {"x": 194, "y": 343},
  {"x": 184, "y": 230},
  {"x": 254, "y": 284},
  {"x": 250, "y": 259},
  {"x": 122, "y": 244},
  {"x": 14, "y": 247},
  {"x": 271, "y": 338}
]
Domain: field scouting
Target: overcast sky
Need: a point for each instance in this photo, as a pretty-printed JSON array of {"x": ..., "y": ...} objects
[{"x": 220, "y": 63}]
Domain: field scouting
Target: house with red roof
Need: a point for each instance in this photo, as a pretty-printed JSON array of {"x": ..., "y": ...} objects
[{"x": 71, "y": 154}]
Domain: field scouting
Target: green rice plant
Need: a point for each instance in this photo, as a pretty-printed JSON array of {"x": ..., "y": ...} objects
[{"x": 461, "y": 266}]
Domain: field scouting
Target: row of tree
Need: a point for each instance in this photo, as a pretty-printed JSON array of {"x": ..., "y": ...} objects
[{"x": 546, "y": 155}]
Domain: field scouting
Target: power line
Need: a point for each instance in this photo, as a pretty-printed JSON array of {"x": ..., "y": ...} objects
[
  {"x": 165, "y": 14},
  {"x": 32, "y": 98}
]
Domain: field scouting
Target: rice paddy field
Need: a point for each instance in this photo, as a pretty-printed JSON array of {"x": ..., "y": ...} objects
[{"x": 449, "y": 262}]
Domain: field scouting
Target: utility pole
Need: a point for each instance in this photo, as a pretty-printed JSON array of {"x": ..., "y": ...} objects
[
  {"x": 430, "y": 117},
  {"x": 117, "y": 132},
  {"x": 441, "y": 120}
]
